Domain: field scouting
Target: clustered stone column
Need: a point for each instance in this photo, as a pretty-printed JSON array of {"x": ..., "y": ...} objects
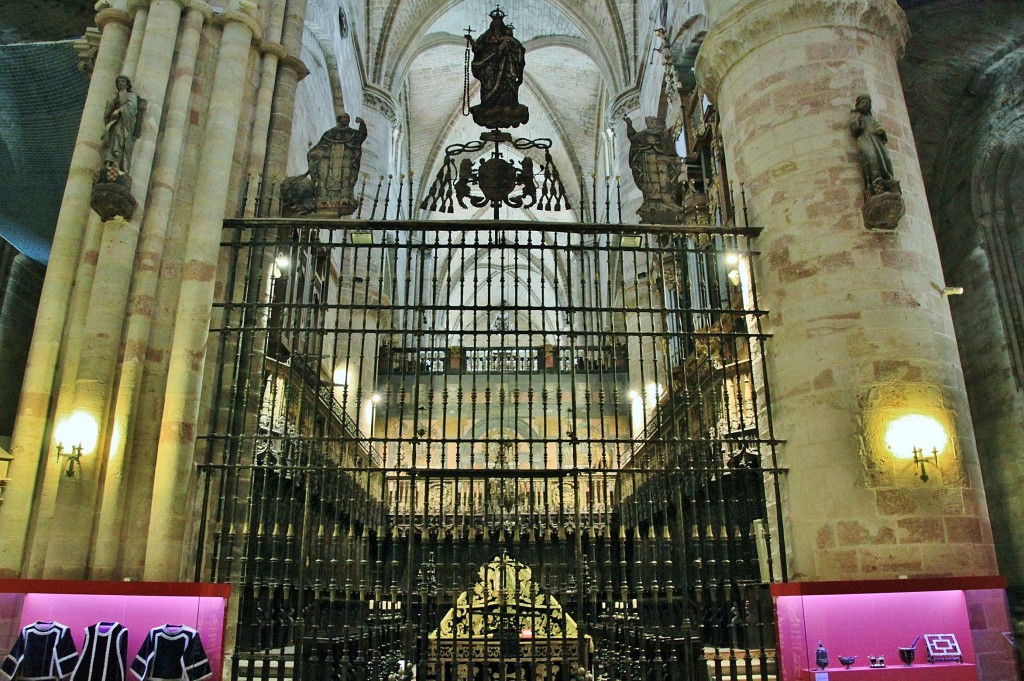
[
  {"x": 102, "y": 344},
  {"x": 861, "y": 334},
  {"x": 290, "y": 72},
  {"x": 33, "y": 426},
  {"x": 144, "y": 286},
  {"x": 170, "y": 514},
  {"x": 109, "y": 294}
]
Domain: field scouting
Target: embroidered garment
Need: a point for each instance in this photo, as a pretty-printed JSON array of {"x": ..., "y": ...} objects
[
  {"x": 172, "y": 652},
  {"x": 104, "y": 653},
  {"x": 44, "y": 651}
]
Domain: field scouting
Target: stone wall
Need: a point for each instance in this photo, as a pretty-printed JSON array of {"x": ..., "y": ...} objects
[{"x": 965, "y": 107}]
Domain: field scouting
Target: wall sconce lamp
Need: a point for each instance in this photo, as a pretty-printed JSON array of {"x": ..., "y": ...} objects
[
  {"x": 911, "y": 436},
  {"x": 73, "y": 458},
  {"x": 76, "y": 436},
  {"x": 921, "y": 459}
]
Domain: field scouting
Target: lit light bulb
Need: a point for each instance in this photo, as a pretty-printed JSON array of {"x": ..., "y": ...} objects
[{"x": 915, "y": 431}]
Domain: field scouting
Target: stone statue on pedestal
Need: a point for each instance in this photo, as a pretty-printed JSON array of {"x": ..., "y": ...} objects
[
  {"x": 328, "y": 186},
  {"x": 656, "y": 168},
  {"x": 122, "y": 121},
  {"x": 883, "y": 201}
]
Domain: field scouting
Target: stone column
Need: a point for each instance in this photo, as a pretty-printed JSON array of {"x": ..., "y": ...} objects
[
  {"x": 21, "y": 299},
  {"x": 141, "y": 306},
  {"x": 71, "y": 347},
  {"x": 862, "y": 334},
  {"x": 66, "y": 558},
  {"x": 648, "y": 376},
  {"x": 170, "y": 515},
  {"x": 31, "y": 433},
  {"x": 627, "y": 103},
  {"x": 380, "y": 114},
  {"x": 273, "y": 53},
  {"x": 139, "y": 9},
  {"x": 290, "y": 71}
]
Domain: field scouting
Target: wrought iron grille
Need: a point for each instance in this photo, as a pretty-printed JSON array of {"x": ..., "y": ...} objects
[{"x": 441, "y": 451}]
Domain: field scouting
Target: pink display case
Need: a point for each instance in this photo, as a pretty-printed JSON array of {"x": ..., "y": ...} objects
[
  {"x": 139, "y": 606},
  {"x": 965, "y": 616}
]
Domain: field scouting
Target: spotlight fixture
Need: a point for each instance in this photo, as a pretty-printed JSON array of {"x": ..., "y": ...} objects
[
  {"x": 952, "y": 290},
  {"x": 630, "y": 240}
]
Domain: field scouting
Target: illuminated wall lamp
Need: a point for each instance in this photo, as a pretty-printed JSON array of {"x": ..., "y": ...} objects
[
  {"x": 74, "y": 458},
  {"x": 921, "y": 459},
  {"x": 80, "y": 429},
  {"x": 913, "y": 436}
]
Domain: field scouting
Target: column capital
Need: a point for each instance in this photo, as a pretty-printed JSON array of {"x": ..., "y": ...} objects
[
  {"x": 381, "y": 101},
  {"x": 754, "y": 23},
  {"x": 243, "y": 18},
  {"x": 623, "y": 103},
  {"x": 276, "y": 49},
  {"x": 135, "y": 6},
  {"x": 204, "y": 7},
  {"x": 293, "y": 63},
  {"x": 110, "y": 15},
  {"x": 198, "y": 6}
]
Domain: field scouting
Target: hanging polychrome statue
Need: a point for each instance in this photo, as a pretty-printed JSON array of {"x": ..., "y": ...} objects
[{"x": 498, "y": 63}]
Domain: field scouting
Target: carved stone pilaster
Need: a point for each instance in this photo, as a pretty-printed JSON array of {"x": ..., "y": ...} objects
[{"x": 751, "y": 24}]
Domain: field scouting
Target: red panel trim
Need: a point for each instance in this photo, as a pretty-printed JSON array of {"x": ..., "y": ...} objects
[
  {"x": 72, "y": 586},
  {"x": 868, "y": 586}
]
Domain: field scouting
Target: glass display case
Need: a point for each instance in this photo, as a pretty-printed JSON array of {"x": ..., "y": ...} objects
[
  {"x": 940, "y": 629},
  {"x": 141, "y": 627}
]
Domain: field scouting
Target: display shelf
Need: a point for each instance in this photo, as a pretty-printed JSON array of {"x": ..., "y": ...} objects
[
  {"x": 898, "y": 672},
  {"x": 877, "y": 617},
  {"x": 871, "y": 586}
]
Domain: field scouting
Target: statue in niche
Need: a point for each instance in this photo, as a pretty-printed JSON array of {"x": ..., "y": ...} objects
[
  {"x": 122, "y": 121},
  {"x": 883, "y": 201},
  {"x": 656, "y": 168},
  {"x": 328, "y": 186},
  {"x": 498, "y": 63}
]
